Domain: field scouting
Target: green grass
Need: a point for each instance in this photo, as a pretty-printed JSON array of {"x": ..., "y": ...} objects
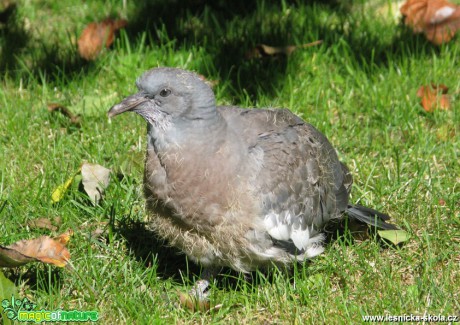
[{"x": 358, "y": 87}]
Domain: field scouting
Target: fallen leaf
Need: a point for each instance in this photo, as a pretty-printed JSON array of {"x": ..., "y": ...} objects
[
  {"x": 44, "y": 223},
  {"x": 55, "y": 107},
  {"x": 434, "y": 97},
  {"x": 263, "y": 50},
  {"x": 439, "y": 20},
  {"x": 13, "y": 258},
  {"x": 59, "y": 191},
  {"x": 65, "y": 237},
  {"x": 43, "y": 249},
  {"x": 414, "y": 12},
  {"x": 97, "y": 35},
  {"x": 394, "y": 236},
  {"x": 95, "y": 179}
]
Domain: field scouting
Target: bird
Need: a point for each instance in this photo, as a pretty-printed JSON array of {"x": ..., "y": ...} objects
[{"x": 236, "y": 187}]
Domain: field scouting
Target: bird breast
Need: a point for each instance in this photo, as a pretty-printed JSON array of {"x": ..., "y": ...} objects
[{"x": 194, "y": 183}]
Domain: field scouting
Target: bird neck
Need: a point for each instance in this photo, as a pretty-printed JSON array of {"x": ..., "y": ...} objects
[
  {"x": 185, "y": 134},
  {"x": 202, "y": 110}
]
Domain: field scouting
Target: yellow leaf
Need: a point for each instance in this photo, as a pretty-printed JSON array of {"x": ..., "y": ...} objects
[
  {"x": 59, "y": 192},
  {"x": 394, "y": 236}
]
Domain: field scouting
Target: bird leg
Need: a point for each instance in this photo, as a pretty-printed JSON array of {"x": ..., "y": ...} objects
[{"x": 200, "y": 290}]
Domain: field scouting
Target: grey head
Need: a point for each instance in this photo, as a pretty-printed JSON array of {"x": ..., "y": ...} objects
[{"x": 169, "y": 95}]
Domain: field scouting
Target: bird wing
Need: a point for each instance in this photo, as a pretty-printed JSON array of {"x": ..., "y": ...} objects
[{"x": 300, "y": 184}]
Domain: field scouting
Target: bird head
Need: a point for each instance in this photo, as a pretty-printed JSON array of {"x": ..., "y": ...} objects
[{"x": 169, "y": 94}]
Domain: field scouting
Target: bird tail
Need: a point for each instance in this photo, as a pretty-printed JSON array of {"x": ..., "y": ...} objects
[{"x": 370, "y": 216}]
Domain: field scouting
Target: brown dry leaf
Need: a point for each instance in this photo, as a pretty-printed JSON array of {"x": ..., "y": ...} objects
[
  {"x": 263, "y": 50},
  {"x": 65, "y": 237},
  {"x": 12, "y": 258},
  {"x": 95, "y": 179},
  {"x": 97, "y": 35},
  {"x": 44, "y": 223},
  {"x": 55, "y": 107},
  {"x": 434, "y": 97},
  {"x": 44, "y": 249},
  {"x": 438, "y": 19},
  {"x": 414, "y": 13}
]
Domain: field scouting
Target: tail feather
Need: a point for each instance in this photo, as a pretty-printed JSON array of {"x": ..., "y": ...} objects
[{"x": 370, "y": 216}]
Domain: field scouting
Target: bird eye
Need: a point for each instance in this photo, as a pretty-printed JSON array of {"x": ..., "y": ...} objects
[{"x": 165, "y": 92}]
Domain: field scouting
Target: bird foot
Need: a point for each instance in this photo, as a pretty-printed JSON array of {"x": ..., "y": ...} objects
[
  {"x": 197, "y": 298},
  {"x": 200, "y": 290}
]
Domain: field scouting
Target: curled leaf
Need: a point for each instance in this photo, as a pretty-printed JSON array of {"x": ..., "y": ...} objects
[
  {"x": 44, "y": 249},
  {"x": 97, "y": 35},
  {"x": 59, "y": 191},
  {"x": 55, "y": 107},
  {"x": 65, "y": 237},
  {"x": 394, "y": 236},
  {"x": 434, "y": 97},
  {"x": 95, "y": 179},
  {"x": 439, "y": 20},
  {"x": 44, "y": 223}
]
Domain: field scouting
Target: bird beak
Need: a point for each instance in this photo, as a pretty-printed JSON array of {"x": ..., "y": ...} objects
[{"x": 127, "y": 104}]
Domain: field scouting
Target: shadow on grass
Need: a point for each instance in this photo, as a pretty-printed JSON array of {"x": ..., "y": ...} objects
[
  {"x": 172, "y": 264},
  {"x": 13, "y": 38},
  {"x": 18, "y": 57},
  {"x": 37, "y": 277},
  {"x": 147, "y": 248},
  {"x": 217, "y": 26},
  {"x": 227, "y": 30}
]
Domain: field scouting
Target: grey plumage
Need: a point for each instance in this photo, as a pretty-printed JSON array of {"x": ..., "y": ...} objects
[{"x": 236, "y": 187}]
